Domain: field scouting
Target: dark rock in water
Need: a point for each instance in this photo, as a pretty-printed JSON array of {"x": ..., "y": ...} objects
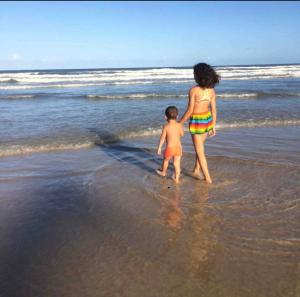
[{"x": 9, "y": 81}]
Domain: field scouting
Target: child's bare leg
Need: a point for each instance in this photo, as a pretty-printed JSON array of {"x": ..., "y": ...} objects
[
  {"x": 199, "y": 141},
  {"x": 177, "y": 168},
  {"x": 164, "y": 169}
]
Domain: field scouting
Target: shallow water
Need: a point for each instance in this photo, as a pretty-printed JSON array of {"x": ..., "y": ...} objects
[{"x": 99, "y": 222}]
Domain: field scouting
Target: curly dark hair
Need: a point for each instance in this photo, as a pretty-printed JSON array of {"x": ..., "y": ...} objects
[{"x": 205, "y": 76}]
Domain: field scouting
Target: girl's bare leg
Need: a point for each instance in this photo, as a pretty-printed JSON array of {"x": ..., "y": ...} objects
[
  {"x": 199, "y": 141},
  {"x": 197, "y": 166}
]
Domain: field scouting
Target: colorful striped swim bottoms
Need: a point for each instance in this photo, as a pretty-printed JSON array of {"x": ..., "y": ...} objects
[{"x": 200, "y": 123}]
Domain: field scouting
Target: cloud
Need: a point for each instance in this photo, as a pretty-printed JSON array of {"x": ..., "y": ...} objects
[{"x": 15, "y": 57}]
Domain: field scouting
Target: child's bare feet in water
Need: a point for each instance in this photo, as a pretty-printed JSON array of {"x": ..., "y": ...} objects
[{"x": 160, "y": 172}]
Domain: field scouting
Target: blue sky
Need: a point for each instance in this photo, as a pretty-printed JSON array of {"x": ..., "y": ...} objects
[{"x": 40, "y": 35}]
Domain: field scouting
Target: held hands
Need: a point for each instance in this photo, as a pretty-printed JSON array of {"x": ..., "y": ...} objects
[{"x": 212, "y": 132}]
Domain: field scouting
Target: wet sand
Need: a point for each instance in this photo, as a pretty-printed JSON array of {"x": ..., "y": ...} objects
[{"x": 100, "y": 222}]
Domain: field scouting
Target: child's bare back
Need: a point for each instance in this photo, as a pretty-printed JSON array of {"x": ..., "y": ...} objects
[{"x": 174, "y": 131}]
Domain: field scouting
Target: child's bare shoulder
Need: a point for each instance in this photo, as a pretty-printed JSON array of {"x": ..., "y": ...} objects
[
  {"x": 179, "y": 126},
  {"x": 166, "y": 126}
]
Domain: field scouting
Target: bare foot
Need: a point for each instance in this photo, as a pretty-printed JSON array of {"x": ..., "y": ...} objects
[
  {"x": 160, "y": 172},
  {"x": 208, "y": 180},
  {"x": 197, "y": 174}
]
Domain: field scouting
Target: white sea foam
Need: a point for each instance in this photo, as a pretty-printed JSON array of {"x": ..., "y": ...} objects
[
  {"x": 219, "y": 95},
  {"x": 43, "y": 86},
  {"x": 16, "y": 96},
  {"x": 136, "y": 96},
  {"x": 259, "y": 123},
  {"x": 221, "y": 125},
  {"x": 153, "y": 95},
  {"x": 157, "y": 95},
  {"x": 15, "y": 150},
  {"x": 138, "y": 76},
  {"x": 58, "y": 145},
  {"x": 237, "y": 95}
]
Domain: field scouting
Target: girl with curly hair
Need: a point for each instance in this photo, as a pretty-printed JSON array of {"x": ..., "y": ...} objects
[{"x": 202, "y": 114}]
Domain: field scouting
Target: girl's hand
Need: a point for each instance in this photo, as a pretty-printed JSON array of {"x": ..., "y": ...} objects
[{"x": 212, "y": 132}]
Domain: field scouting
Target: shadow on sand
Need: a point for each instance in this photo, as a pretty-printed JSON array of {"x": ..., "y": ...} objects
[{"x": 118, "y": 149}]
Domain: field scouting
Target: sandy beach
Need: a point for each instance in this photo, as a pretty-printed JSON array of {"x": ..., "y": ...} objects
[{"x": 100, "y": 222}]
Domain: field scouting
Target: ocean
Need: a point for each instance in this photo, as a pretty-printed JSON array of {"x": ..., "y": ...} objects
[
  {"x": 82, "y": 212},
  {"x": 71, "y": 109}
]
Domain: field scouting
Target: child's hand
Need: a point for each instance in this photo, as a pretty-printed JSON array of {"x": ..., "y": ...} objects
[
  {"x": 159, "y": 151},
  {"x": 212, "y": 132}
]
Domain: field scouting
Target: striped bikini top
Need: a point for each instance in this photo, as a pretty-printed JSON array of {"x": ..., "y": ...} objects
[{"x": 205, "y": 96}]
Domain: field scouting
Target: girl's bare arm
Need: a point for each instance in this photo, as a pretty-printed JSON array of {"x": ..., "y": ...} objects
[
  {"x": 182, "y": 131},
  {"x": 190, "y": 107},
  {"x": 213, "y": 112}
]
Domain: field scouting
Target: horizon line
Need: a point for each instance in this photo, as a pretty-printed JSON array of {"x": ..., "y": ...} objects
[{"x": 148, "y": 67}]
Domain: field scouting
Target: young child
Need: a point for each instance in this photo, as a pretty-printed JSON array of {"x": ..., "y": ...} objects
[{"x": 171, "y": 133}]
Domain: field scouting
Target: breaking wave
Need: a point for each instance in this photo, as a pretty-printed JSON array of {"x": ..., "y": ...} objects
[
  {"x": 82, "y": 78},
  {"x": 103, "y": 138}
]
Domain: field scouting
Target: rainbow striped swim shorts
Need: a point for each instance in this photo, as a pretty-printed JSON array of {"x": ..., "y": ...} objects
[{"x": 200, "y": 123}]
